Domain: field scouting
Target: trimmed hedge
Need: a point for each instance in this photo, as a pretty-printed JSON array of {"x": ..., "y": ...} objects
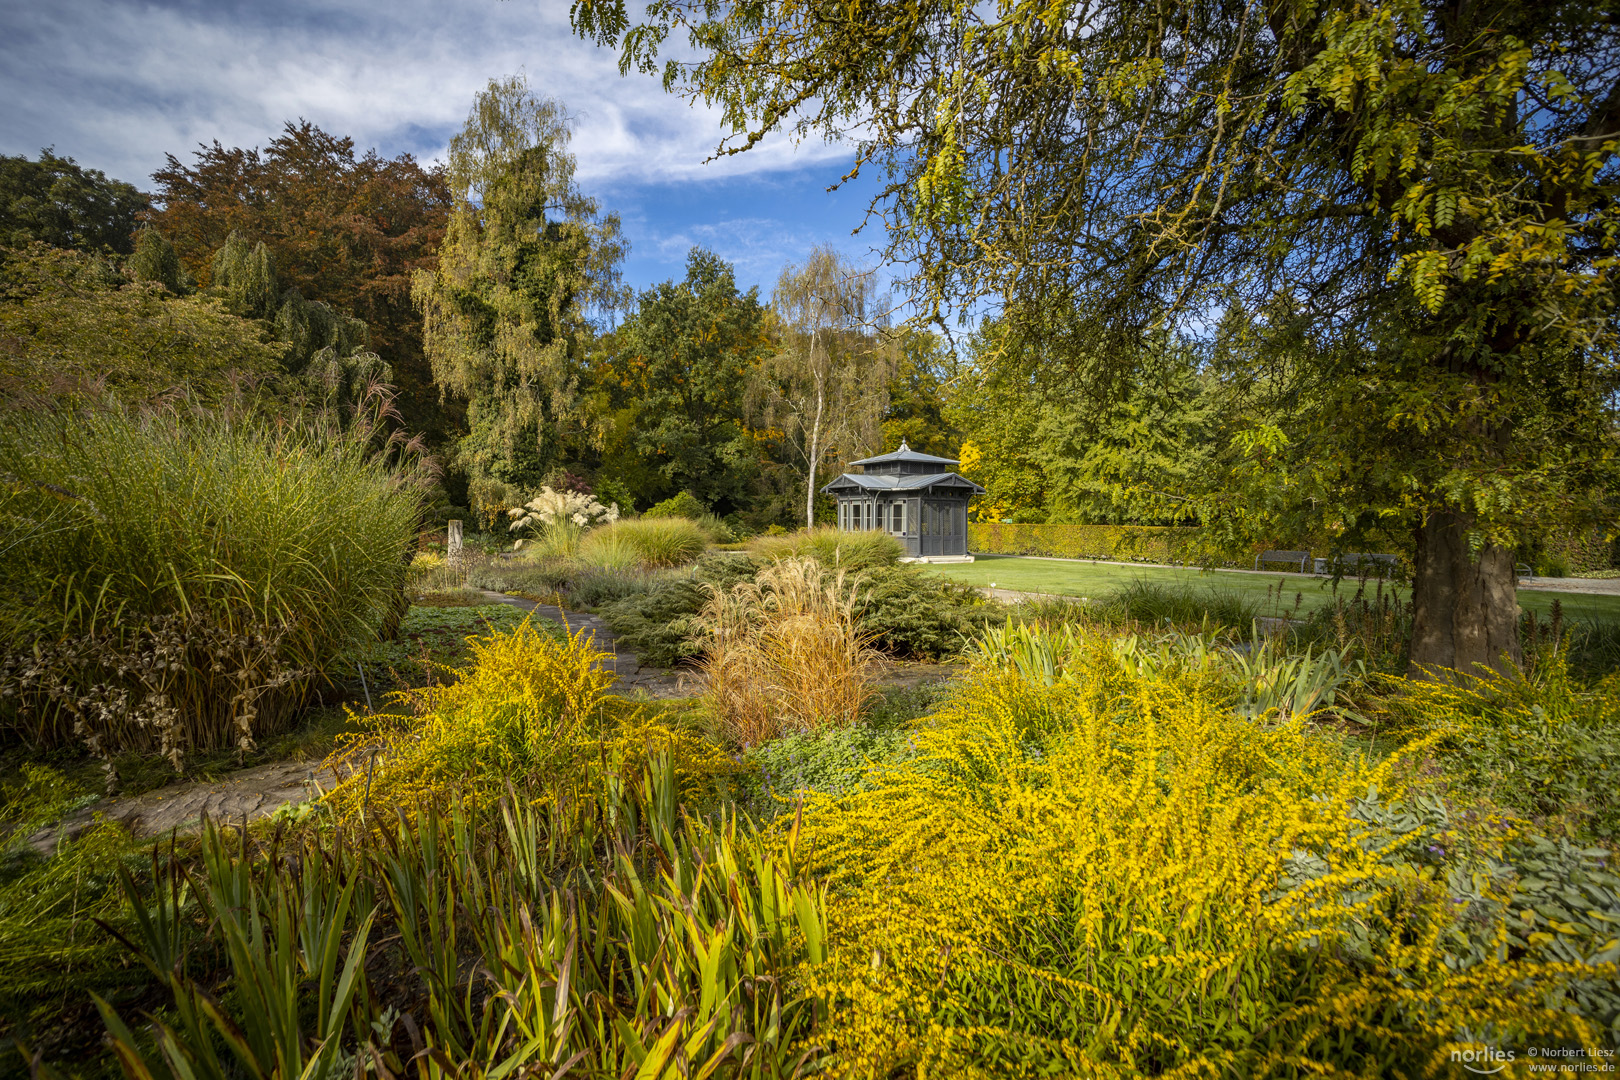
[{"x": 1125, "y": 543}]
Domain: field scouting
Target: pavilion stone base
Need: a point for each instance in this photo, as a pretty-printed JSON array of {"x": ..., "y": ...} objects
[{"x": 938, "y": 558}]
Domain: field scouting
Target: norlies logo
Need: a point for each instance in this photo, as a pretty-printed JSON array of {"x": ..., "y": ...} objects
[{"x": 1485, "y": 1062}]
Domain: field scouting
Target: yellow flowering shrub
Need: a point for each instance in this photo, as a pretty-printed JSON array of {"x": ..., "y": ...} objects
[
  {"x": 1114, "y": 875},
  {"x": 529, "y": 710}
]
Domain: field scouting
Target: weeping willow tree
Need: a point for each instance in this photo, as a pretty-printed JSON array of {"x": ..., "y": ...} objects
[
  {"x": 1414, "y": 199},
  {"x": 526, "y": 255},
  {"x": 322, "y": 347}
]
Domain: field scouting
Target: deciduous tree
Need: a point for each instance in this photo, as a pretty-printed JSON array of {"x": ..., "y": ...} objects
[
  {"x": 343, "y": 229},
  {"x": 1420, "y": 192},
  {"x": 74, "y": 326},
  {"x": 56, "y": 201},
  {"x": 826, "y": 386},
  {"x": 681, "y": 367}
]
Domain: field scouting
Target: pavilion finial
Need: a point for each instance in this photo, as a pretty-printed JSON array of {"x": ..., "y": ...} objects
[{"x": 903, "y": 446}]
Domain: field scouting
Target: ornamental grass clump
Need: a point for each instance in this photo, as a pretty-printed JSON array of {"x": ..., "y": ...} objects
[
  {"x": 832, "y": 547},
  {"x": 1110, "y": 873},
  {"x": 783, "y": 653},
  {"x": 556, "y": 520},
  {"x": 651, "y": 542},
  {"x": 176, "y": 582}
]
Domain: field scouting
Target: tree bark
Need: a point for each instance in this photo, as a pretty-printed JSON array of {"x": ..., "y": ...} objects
[
  {"x": 815, "y": 440},
  {"x": 1465, "y": 606}
]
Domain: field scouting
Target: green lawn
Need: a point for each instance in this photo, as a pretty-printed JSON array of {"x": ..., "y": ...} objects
[{"x": 1274, "y": 592}]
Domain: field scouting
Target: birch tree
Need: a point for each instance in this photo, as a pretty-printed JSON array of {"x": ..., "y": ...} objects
[{"x": 826, "y": 386}]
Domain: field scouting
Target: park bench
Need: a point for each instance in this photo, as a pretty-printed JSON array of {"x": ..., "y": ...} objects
[
  {"x": 1297, "y": 559},
  {"x": 1354, "y": 562}
]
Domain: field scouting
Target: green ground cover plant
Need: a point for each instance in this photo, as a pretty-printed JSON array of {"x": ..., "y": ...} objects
[
  {"x": 180, "y": 583},
  {"x": 432, "y": 636},
  {"x": 833, "y": 761}
]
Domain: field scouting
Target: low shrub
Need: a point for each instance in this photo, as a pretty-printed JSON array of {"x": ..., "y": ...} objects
[
  {"x": 832, "y": 547},
  {"x": 177, "y": 583},
  {"x": 684, "y": 505},
  {"x": 912, "y": 614},
  {"x": 528, "y": 708},
  {"x": 660, "y": 624},
  {"x": 1116, "y": 875},
  {"x": 783, "y": 653},
  {"x": 656, "y": 542},
  {"x": 1538, "y": 744}
]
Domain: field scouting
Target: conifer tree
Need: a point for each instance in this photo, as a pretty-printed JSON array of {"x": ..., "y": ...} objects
[{"x": 525, "y": 256}]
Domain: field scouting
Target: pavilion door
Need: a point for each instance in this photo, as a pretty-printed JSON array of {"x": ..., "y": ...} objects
[{"x": 934, "y": 519}]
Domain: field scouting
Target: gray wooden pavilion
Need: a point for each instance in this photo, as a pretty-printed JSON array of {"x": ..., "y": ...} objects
[{"x": 911, "y": 496}]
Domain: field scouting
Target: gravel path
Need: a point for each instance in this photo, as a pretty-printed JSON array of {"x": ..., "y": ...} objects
[{"x": 1590, "y": 585}]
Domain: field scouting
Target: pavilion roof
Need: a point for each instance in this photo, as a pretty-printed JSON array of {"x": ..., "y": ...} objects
[
  {"x": 883, "y": 484},
  {"x": 906, "y": 453}
]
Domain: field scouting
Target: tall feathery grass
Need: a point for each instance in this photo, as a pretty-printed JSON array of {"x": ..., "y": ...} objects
[
  {"x": 177, "y": 582},
  {"x": 783, "y": 653},
  {"x": 831, "y": 547}
]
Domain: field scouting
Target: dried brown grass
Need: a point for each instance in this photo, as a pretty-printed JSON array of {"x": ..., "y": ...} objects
[{"x": 783, "y": 653}]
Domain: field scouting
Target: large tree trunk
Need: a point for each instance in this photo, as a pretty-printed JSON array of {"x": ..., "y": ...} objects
[{"x": 1465, "y": 606}]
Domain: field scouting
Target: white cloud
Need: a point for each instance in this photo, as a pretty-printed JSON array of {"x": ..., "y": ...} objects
[{"x": 118, "y": 84}]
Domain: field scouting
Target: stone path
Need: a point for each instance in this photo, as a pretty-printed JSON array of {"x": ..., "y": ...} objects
[{"x": 246, "y": 795}]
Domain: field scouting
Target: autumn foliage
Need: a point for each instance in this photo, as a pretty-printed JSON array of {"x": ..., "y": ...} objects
[{"x": 344, "y": 229}]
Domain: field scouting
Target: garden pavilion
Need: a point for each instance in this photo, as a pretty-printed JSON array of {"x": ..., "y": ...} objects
[{"x": 911, "y": 496}]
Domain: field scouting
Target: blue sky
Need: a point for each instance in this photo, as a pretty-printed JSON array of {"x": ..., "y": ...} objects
[{"x": 116, "y": 84}]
